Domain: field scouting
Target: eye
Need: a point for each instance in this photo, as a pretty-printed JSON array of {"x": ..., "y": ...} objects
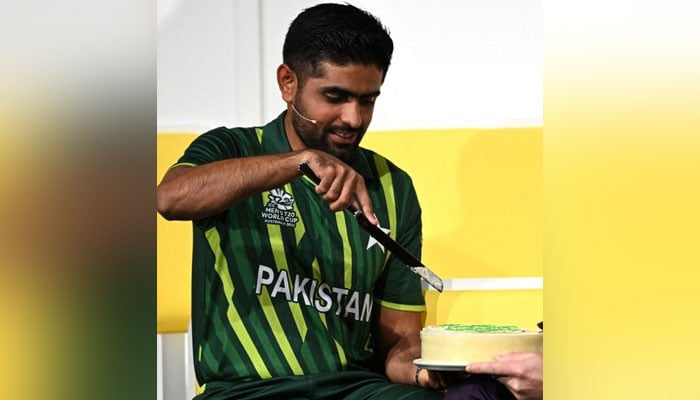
[
  {"x": 335, "y": 98},
  {"x": 369, "y": 100}
]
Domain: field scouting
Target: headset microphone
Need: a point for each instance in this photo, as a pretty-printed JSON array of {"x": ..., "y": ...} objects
[{"x": 313, "y": 121}]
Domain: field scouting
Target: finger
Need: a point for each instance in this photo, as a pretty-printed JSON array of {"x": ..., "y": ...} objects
[
  {"x": 345, "y": 197},
  {"x": 355, "y": 203},
  {"x": 365, "y": 204},
  {"x": 492, "y": 368},
  {"x": 435, "y": 380},
  {"x": 512, "y": 384},
  {"x": 481, "y": 368},
  {"x": 326, "y": 172},
  {"x": 496, "y": 368},
  {"x": 442, "y": 382},
  {"x": 325, "y": 184},
  {"x": 335, "y": 192},
  {"x": 506, "y": 380},
  {"x": 424, "y": 378}
]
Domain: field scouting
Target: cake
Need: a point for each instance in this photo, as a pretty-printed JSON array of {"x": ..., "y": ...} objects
[{"x": 462, "y": 344}]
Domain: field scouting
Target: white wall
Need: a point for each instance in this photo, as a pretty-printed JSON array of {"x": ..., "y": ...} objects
[{"x": 457, "y": 63}]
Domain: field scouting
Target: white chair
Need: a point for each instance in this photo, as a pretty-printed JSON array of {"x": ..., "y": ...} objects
[{"x": 175, "y": 372}]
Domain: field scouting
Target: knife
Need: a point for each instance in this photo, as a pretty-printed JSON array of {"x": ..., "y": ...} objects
[{"x": 396, "y": 249}]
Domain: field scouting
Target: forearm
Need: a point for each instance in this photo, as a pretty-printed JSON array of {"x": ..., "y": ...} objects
[
  {"x": 399, "y": 365},
  {"x": 209, "y": 189}
]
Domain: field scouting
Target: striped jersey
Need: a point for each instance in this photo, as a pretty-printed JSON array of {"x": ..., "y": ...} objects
[{"x": 281, "y": 285}]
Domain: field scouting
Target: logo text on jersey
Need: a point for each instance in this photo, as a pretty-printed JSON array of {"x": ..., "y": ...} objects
[
  {"x": 321, "y": 296},
  {"x": 279, "y": 209}
]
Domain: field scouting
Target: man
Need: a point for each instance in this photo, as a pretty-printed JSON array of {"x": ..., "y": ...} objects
[{"x": 291, "y": 299}]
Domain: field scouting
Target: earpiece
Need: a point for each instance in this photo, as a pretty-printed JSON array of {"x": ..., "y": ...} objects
[{"x": 313, "y": 121}]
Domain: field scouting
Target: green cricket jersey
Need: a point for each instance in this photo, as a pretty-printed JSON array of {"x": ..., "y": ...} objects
[{"x": 283, "y": 286}]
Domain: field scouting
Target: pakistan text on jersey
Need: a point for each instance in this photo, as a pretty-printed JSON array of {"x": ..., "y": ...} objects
[{"x": 309, "y": 292}]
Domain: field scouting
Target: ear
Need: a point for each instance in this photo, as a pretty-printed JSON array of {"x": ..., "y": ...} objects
[{"x": 287, "y": 82}]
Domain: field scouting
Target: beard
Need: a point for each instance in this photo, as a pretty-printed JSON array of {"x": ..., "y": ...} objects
[{"x": 316, "y": 137}]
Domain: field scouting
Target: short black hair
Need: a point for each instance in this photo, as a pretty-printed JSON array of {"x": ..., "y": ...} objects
[{"x": 338, "y": 33}]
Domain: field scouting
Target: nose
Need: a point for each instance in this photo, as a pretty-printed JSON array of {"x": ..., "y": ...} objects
[{"x": 352, "y": 114}]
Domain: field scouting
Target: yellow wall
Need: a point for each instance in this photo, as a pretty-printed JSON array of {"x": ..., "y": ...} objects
[
  {"x": 502, "y": 307},
  {"x": 481, "y": 195},
  {"x": 480, "y": 191},
  {"x": 174, "y": 248}
]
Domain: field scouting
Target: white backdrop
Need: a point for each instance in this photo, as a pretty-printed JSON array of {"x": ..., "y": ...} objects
[{"x": 457, "y": 63}]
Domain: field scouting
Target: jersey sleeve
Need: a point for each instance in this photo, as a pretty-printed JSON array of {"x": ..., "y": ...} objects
[
  {"x": 398, "y": 287},
  {"x": 215, "y": 145}
]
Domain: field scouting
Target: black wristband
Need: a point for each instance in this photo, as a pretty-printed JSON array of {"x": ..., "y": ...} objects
[{"x": 418, "y": 369}]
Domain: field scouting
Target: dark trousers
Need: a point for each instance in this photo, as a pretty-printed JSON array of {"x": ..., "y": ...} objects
[
  {"x": 478, "y": 387},
  {"x": 345, "y": 385}
]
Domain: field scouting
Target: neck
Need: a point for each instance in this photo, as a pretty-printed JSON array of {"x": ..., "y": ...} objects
[{"x": 292, "y": 137}]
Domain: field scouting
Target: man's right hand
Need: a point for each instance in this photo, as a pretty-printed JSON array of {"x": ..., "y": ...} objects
[{"x": 340, "y": 185}]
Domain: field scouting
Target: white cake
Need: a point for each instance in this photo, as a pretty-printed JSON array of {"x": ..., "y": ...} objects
[{"x": 461, "y": 344}]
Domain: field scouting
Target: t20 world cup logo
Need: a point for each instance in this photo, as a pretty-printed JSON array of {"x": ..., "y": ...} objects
[{"x": 279, "y": 209}]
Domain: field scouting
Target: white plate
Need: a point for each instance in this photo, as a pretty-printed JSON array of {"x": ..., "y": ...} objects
[{"x": 439, "y": 366}]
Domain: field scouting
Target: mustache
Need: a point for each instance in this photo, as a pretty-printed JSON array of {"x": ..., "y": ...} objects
[{"x": 345, "y": 129}]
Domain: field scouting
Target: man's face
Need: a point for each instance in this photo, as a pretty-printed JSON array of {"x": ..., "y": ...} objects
[{"x": 341, "y": 101}]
